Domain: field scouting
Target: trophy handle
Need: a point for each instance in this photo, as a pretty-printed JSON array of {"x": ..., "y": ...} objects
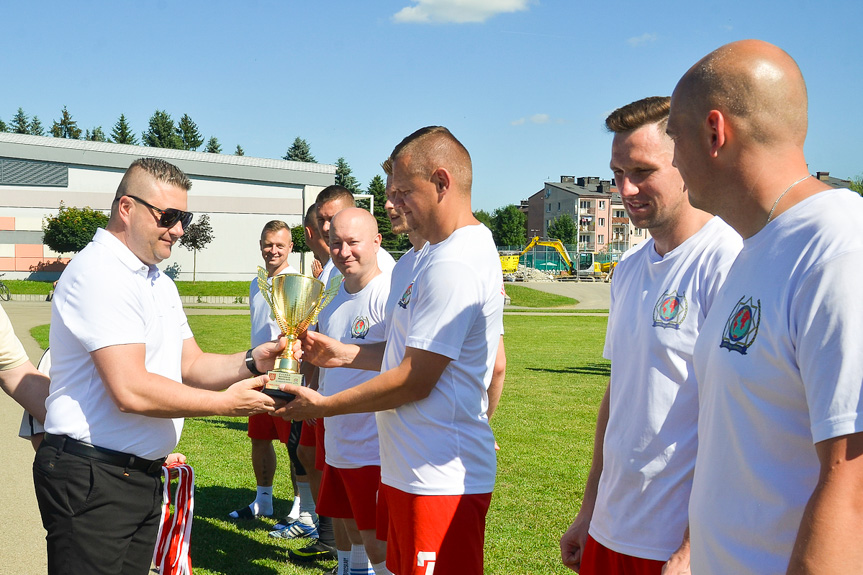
[
  {"x": 326, "y": 297},
  {"x": 266, "y": 290}
]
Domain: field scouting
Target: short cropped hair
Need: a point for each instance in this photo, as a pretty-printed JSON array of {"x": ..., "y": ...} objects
[
  {"x": 652, "y": 110},
  {"x": 274, "y": 226},
  {"x": 161, "y": 171},
  {"x": 433, "y": 147},
  {"x": 333, "y": 193},
  {"x": 387, "y": 165},
  {"x": 310, "y": 221}
]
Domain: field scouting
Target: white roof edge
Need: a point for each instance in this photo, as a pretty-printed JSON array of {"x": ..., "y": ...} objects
[{"x": 165, "y": 153}]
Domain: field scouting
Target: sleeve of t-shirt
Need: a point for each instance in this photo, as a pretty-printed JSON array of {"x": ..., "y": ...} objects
[
  {"x": 378, "y": 330},
  {"x": 12, "y": 353},
  {"x": 827, "y": 329},
  {"x": 447, "y": 300},
  {"x": 98, "y": 317}
]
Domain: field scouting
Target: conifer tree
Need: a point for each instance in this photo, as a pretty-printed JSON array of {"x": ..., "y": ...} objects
[
  {"x": 344, "y": 177},
  {"x": 122, "y": 132},
  {"x": 300, "y": 152},
  {"x": 20, "y": 123},
  {"x": 66, "y": 127},
  {"x": 97, "y": 135},
  {"x": 161, "y": 132},
  {"x": 35, "y": 128},
  {"x": 240, "y": 151},
  {"x": 213, "y": 146},
  {"x": 188, "y": 132}
]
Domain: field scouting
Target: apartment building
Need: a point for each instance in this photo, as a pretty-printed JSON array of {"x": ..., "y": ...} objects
[{"x": 594, "y": 205}]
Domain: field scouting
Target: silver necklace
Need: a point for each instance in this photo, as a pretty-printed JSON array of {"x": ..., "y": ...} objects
[{"x": 782, "y": 195}]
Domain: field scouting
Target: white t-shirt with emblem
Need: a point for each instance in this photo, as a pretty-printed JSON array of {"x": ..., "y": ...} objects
[
  {"x": 264, "y": 327},
  {"x": 452, "y": 306},
  {"x": 779, "y": 368},
  {"x": 352, "y": 440},
  {"x": 658, "y": 305},
  {"x": 108, "y": 297}
]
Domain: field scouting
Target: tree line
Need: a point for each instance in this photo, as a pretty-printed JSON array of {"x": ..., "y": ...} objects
[{"x": 162, "y": 132}]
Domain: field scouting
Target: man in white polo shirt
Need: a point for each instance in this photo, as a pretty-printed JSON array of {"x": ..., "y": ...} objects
[
  {"x": 125, "y": 371},
  {"x": 437, "y": 450}
]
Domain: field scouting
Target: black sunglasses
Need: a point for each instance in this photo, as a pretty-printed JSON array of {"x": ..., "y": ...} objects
[{"x": 168, "y": 218}]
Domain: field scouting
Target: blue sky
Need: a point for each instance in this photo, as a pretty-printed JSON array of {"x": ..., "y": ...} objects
[{"x": 525, "y": 84}]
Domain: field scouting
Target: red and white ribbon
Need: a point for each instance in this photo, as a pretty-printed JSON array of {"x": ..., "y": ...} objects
[{"x": 175, "y": 528}]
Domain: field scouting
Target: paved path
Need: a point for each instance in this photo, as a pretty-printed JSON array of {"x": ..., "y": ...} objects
[
  {"x": 22, "y": 539},
  {"x": 590, "y": 295}
]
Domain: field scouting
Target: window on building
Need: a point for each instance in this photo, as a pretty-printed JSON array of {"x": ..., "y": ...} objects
[
  {"x": 584, "y": 204},
  {"x": 601, "y": 221},
  {"x": 558, "y": 206},
  {"x": 638, "y": 232},
  {"x": 584, "y": 239},
  {"x": 619, "y": 213},
  {"x": 600, "y": 239},
  {"x": 601, "y": 204},
  {"x": 548, "y": 207}
]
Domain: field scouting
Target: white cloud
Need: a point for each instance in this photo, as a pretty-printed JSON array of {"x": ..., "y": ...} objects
[
  {"x": 643, "y": 39},
  {"x": 457, "y": 11},
  {"x": 539, "y": 119},
  {"x": 535, "y": 119}
]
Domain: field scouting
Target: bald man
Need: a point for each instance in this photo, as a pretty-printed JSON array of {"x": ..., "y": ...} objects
[
  {"x": 779, "y": 475},
  {"x": 437, "y": 450},
  {"x": 352, "y": 472}
]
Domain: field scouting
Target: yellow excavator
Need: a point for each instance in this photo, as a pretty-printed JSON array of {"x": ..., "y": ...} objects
[{"x": 589, "y": 265}]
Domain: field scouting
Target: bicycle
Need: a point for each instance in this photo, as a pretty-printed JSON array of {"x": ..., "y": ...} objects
[{"x": 5, "y": 295}]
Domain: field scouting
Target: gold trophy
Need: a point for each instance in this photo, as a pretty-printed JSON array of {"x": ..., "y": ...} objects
[{"x": 295, "y": 302}]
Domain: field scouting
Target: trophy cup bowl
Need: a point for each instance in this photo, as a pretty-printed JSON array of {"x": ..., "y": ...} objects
[{"x": 295, "y": 301}]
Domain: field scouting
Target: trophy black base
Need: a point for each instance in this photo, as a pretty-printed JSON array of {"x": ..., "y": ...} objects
[{"x": 279, "y": 394}]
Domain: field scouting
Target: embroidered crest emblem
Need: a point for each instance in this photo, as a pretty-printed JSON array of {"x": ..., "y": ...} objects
[
  {"x": 406, "y": 297},
  {"x": 670, "y": 310},
  {"x": 360, "y": 328},
  {"x": 742, "y": 326}
]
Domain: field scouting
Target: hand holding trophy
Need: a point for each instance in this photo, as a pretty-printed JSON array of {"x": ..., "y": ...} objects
[{"x": 295, "y": 302}]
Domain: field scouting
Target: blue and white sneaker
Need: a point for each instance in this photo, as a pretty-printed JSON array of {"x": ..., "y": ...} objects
[
  {"x": 286, "y": 522},
  {"x": 304, "y": 527}
]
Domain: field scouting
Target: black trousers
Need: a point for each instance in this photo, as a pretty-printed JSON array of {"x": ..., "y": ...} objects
[{"x": 101, "y": 519}]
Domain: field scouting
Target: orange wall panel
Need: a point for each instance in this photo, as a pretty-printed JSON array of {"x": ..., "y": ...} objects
[
  {"x": 28, "y": 251},
  {"x": 7, "y": 264},
  {"x": 7, "y": 224}
]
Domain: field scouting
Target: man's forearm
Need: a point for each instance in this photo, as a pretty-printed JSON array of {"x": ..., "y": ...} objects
[
  {"x": 830, "y": 539},
  {"x": 27, "y": 386},
  {"x": 215, "y": 371}
]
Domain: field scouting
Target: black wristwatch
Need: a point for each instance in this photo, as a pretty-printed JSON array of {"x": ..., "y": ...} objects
[{"x": 250, "y": 364}]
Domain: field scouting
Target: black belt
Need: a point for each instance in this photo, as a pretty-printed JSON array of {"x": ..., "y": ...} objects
[{"x": 109, "y": 456}]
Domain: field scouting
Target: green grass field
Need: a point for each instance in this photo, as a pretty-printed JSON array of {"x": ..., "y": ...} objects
[
  {"x": 544, "y": 425},
  {"x": 527, "y": 297}
]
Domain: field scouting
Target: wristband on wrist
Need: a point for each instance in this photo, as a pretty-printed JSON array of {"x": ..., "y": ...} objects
[{"x": 250, "y": 364}]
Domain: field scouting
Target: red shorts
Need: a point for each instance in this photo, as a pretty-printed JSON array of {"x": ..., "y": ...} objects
[
  {"x": 265, "y": 426},
  {"x": 320, "y": 450},
  {"x": 444, "y": 533},
  {"x": 350, "y": 493},
  {"x": 599, "y": 560},
  {"x": 307, "y": 435}
]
